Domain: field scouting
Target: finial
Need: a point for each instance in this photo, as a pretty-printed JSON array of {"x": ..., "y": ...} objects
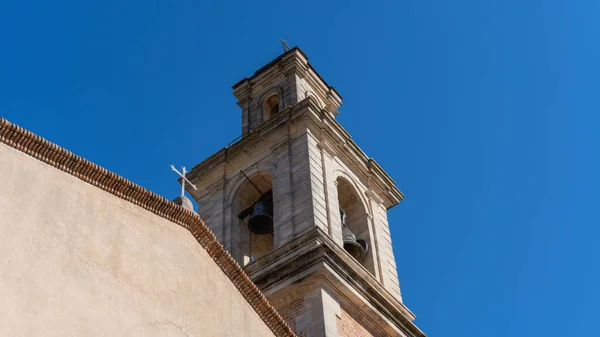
[
  {"x": 184, "y": 179},
  {"x": 285, "y": 45}
]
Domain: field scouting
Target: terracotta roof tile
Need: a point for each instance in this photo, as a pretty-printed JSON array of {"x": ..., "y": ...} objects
[{"x": 52, "y": 154}]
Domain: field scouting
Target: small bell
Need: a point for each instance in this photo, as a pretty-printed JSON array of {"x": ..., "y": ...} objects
[
  {"x": 356, "y": 248},
  {"x": 261, "y": 222}
]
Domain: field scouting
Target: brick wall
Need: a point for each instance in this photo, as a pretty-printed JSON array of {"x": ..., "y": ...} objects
[
  {"x": 291, "y": 311},
  {"x": 348, "y": 327}
]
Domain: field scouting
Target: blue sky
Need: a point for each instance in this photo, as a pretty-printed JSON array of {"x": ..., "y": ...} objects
[{"x": 484, "y": 112}]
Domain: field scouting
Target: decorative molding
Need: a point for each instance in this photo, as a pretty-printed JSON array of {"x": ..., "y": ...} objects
[
  {"x": 326, "y": 146},
  {"x": 313, "y": 254},
  {"x": 62, "y": 159}
]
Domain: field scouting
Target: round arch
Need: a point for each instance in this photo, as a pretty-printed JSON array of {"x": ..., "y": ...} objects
[
  {"x": 266, "y": 95},
  {"x": 338, "y": 173},
  {"x": 355, "y": 206},
  {"x": 246, "y": 245},
  {"x": 260, "y": 168}
]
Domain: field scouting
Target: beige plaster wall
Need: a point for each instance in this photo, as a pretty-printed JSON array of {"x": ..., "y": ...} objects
[{"x": 78, "y": 261}]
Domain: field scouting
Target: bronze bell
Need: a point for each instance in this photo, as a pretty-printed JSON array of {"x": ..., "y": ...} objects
[
  {"x": 356, "y": 248},
  {"x": 261, "y": 222}
]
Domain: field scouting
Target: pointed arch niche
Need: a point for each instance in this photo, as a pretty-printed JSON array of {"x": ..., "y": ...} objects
[
  {"x": 357, "y": 218},
  {"x": 246, "y": 246}
]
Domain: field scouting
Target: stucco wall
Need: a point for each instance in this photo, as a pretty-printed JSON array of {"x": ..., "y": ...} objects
[{"x": 78, "y": 261}]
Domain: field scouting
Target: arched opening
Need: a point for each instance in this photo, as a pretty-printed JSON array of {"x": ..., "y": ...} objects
[
  {"x": 355, "y": 225},
  {"x": 271, "y": 106},
  {"x": 252, "y": 200}
]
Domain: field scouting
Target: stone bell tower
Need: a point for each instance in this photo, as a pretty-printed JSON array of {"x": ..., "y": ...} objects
[{"x": 303, "y": 209}]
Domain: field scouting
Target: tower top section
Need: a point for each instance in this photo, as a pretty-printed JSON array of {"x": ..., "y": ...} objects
[
  {"x": 280, "y": 84},
  {"x": 300, "y": 205}
]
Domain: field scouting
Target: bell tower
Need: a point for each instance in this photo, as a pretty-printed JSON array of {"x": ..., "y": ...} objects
[{"x": 303, "y": 209}]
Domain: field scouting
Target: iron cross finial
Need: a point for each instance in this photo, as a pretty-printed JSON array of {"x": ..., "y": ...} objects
[
  {"x": 183, "y": 179},
  {"x": 285, "y": 45}
]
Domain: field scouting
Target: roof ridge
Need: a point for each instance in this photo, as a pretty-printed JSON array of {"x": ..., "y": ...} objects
[{"x": 62, "y": 159}]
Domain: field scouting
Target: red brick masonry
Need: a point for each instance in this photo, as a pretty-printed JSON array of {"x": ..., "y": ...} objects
[{"x": 348, "y": 327}]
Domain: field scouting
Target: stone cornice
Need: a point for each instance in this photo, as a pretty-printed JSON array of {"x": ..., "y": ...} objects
[
  {"x": 251, "y": 139},
  {"x": 348, "y": 147},
  {"x": 309, "y": 110},
  {"x": 56, "y": 156},
  {"x": 294, "y": 58},
  {"x": 314, "y": 248}
]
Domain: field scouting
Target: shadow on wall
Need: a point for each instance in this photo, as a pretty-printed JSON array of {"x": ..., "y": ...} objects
[{"x": 253, "y": 199}]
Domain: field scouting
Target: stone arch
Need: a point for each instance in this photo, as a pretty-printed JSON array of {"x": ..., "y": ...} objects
[
  {"x": 265, "y": 113},
  {"x": 247, "y": 246},
  {"x": 239, "y": 179},
  {"x": 353, "y": 203},
  {"x": 311, "y": 93},
  {"x": 339, "y": 173}
]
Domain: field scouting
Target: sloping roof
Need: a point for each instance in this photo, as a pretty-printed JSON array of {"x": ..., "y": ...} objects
[{"x": 52, "y": 154}]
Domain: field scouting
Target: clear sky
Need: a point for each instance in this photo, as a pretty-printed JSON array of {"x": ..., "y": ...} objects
[{"x": 486, "y": 113}]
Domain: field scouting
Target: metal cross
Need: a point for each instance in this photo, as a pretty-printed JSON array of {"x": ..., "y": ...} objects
[
  {"x": 183, "y": 179},
  {"x": 285, "y": 45}
]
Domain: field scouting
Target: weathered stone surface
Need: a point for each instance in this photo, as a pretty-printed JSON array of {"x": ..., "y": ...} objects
[
  {"x": 313, "y": 261},
  {"x": 315, "y": 168}
]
